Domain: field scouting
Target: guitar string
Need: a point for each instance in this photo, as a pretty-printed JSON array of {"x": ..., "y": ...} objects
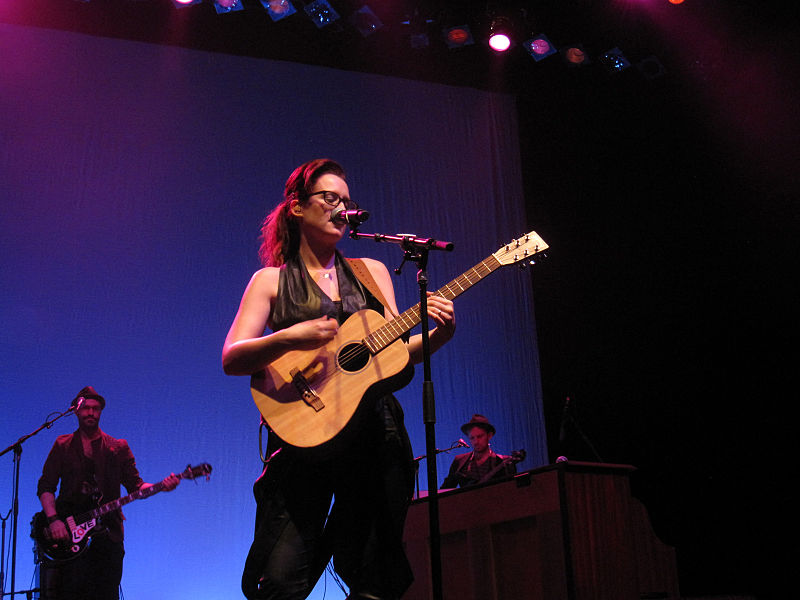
[
  {"x": 139, "y": 494},
  {"x": 390, "y": 330},
  {"x": 385, "y": 331}
]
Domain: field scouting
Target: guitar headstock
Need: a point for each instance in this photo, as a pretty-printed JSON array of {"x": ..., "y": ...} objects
[
  {"x": 518, "y": 455},
  {"x": 201, "y": 470},
  {"x": 522, "y": 249}
]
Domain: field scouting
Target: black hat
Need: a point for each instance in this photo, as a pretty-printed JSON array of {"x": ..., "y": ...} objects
[
  {"x": 478, "y": 421},
  {"x": 88, "y": 393}
]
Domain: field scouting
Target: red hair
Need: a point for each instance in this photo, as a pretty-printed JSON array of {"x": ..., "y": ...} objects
[{"x": 280, "y": 233}]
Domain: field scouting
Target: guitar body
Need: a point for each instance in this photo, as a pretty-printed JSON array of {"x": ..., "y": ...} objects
[
  {"x": 80, "y": 535},
  {"x": 309, "y": 397}
]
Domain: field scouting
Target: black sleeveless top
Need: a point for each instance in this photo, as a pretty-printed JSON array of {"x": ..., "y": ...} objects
[{"x": 300, "y": 299}]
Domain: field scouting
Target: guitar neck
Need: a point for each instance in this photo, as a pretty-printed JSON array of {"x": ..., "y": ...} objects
[
  {"x": 389, "y": 333},
  {"x": 120, "y": 502}
]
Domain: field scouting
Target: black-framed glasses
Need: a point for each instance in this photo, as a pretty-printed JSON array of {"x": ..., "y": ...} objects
[{"x": 333, "y": 199}]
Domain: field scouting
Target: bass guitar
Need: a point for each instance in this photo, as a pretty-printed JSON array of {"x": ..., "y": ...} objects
[
  {"x": 515, "y": 457},
  {"x": 82, "y": 526},
  {"x": 308, "y": 397}
]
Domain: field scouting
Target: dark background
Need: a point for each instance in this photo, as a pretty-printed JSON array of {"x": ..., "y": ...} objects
[
  {"x": 665, "y": 313},
  {"x": 665, "y": 309}
]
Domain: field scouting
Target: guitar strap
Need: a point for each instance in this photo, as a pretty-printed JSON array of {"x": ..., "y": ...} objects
[{"x": 362, "y": 273}]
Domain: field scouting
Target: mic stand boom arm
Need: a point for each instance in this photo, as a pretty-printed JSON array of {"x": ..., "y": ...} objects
[
  {"x": 421, "y": 457},
  {"x": 407, "y": 240}
]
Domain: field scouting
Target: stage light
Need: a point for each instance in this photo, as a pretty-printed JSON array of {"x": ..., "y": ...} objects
[
  {"x": 419, "y": 40},
  {"x": 226, "y": 6},
  {"x": 321, "y": 13},
  {"x": 614, "y": 60},
  {"x": 575, "y": 56},
  {"x": 501, "y": 34},
  {"x": 418, "y": 27},
  {"x": 539, "y": 47},
  {"x": 365, "y": 21},
  {"x": 278, "y": 9},
  {"x": 676, "y": 1},
  {"x": 650, "y": 67},
  {"x": 184, "y": 3},
  {"x": 458, "y": 36}
]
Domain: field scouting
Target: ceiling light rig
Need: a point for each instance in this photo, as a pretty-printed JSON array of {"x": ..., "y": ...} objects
[
  {"x": 184, "y": 3},
  {"x": 365, "y": 21},
  {"x": 575, "y": 55},
  {"x": 278, "y": 9},
  {"x": 614, "y": 61},
  {"x": 458, "y": 36},
  {"x": 418, "y": 27},
  {"x": 321, "y": 13},
  {"x": 499, "y": 28},
  {"x": 539, "y": 47},
  {"x": 650, "y": 67},
  {"x": 454, "y": 23},
  {"x": 501, "y": 34},
  {"x": 226, "y": 6}
]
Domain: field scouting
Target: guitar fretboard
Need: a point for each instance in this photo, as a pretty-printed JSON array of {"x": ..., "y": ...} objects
[
  {"x": 387, "y": 334},
  {"x": 120, "y": 502}
]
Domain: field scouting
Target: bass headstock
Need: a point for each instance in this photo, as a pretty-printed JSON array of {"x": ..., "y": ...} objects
[
  {"x": 518, "y": 455},
  {"x": 201, "y": 470}
]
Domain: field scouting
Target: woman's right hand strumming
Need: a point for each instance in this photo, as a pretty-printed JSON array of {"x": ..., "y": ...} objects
[{"x": 308, "y": 335}]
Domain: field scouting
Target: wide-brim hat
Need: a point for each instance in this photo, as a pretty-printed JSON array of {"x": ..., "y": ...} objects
[
  {"x": 478, "y": 421},
  {"x": 89, "y": 393}
]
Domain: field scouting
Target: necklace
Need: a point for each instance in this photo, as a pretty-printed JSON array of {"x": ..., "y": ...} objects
[{"x": 324, "y": 273}]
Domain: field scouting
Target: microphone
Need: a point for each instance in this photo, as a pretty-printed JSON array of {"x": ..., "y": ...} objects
[
  {"x": 461, "y": 443},
  {"x": 561, "y": 432},
  {"x": 77, "y": 406},
  {"x": 353, "y": 217}
]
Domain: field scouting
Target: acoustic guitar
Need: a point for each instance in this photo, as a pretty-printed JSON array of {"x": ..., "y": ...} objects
[
  {"x": 83, "y": 525},
  {"x": 308, "y": 397}
]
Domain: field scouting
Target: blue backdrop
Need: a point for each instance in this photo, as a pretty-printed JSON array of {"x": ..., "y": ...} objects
[{"x": 133, "y": 180}]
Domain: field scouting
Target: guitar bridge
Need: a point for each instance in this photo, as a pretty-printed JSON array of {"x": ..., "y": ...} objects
[{"x": 306, "y": 392}]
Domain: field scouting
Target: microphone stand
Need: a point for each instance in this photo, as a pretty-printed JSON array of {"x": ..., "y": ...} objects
[
  {"x": 586, "y": 440},
  {"x": 568, "y": 418},
  {"x": 438, "y": 451},
  {"x": 416, "y": 251},
  {"x": 16, "y": 447}
]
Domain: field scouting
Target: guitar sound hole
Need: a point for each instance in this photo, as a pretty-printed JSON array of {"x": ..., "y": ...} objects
[{"x": 353, "y": 357}]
